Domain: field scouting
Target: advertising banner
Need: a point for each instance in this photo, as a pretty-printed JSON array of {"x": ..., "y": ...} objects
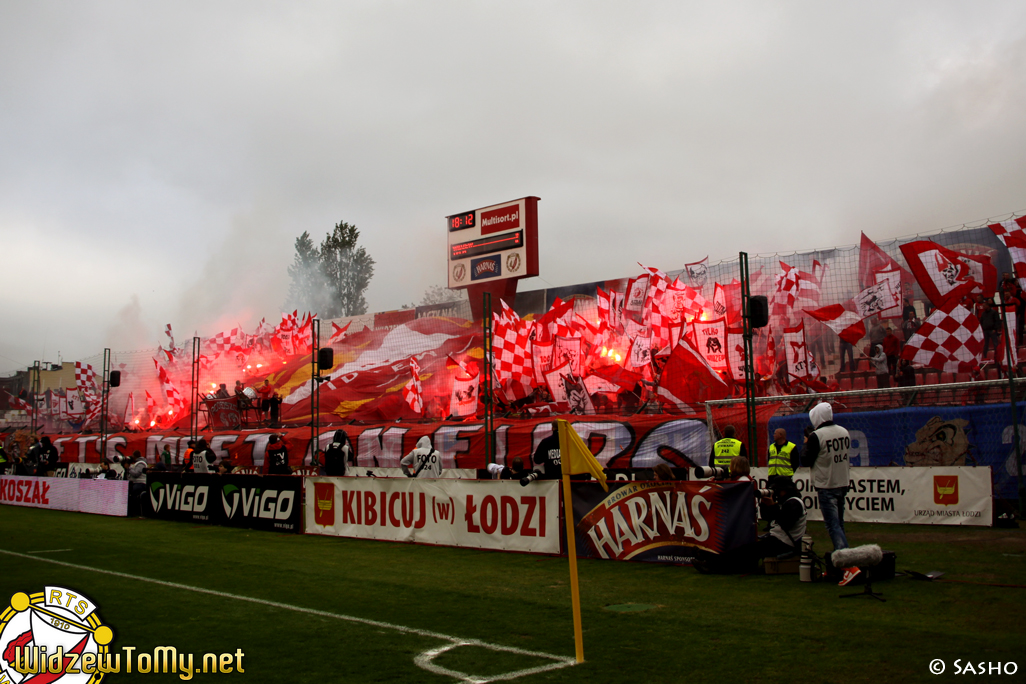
[
  {"x": 102, "y": 497},
  {"x": 925, "y": 496},
  {"x": 974, "y": 434},
  {"x": 481, "y": 514},
  {"x": 662, "y": 522},
  {"x": 272, "y": 503}
]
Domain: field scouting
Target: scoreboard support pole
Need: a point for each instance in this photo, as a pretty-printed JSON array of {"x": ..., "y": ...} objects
[{"x": 489, "y": 390}]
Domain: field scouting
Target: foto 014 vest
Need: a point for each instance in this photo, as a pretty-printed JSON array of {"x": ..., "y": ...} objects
[{"x": 830, "y": 470}]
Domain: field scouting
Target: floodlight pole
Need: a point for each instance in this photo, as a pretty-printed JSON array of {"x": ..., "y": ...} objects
[
  {"x": 1011, "y": 402},
  {"x": 489, "y": 405},
  {"x": 746, "y": 297},
  {"x": 194, "y": 404},
  {"x": 104, "y": 402}
]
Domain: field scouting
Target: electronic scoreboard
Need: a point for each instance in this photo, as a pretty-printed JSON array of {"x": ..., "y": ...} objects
[{"x": 493, "y": 243}]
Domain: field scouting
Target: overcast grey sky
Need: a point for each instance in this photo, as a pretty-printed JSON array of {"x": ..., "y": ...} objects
[{"x": 157, "y": 160}]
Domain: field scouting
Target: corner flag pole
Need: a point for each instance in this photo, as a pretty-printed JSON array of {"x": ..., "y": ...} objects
[{"x": 571, "y": 543}]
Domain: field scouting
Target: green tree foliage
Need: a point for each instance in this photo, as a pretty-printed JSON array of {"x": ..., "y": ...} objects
[
  {"x": 308, "y": 286},
  {"x": 348, "y": 270}
]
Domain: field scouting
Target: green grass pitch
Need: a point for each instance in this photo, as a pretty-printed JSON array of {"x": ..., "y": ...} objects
[{"x": 409, "y": 602}]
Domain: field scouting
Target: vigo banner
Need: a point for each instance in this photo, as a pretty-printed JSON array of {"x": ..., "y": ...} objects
[
  {"x": 271, "y": 503},
  {"x": 102, "y": 497},
  {"x": 662, "y": 522},
  {"x": 924, "y": 496},
  {"x": 481, "y": 514},
  {"x": 636, "y": 442}
]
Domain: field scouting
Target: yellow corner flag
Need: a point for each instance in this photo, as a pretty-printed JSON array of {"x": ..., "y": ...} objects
[{"x": 576, "y": 456}]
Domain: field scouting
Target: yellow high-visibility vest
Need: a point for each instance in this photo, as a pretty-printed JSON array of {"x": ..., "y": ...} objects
[
  {"x": 780, "y": 460},
  {"x": 724, "y": 450}
]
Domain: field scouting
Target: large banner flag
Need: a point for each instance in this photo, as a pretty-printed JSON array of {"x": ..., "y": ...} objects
[
  {"x": 1013, "y": 234},
  {"x": 847, "y": 324},
  {"x": 698, "y": 273},
  {"x": 946, "y": 275},
  {"x": 797, "y": 353},
  {"x": 688, "y": 379},
  {"x": 950, "y": 340},
  {"x": 711, "y": 338}
]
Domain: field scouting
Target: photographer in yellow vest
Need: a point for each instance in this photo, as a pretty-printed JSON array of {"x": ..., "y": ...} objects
[
  {"x": 783, "y": 458},
  {"x": 727, "y": 448}
]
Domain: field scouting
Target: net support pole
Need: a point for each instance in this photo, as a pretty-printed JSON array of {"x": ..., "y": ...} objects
[
  {"x": 315, "y": 389},
  {"x": 34, "y": 384},
  {"x": 104, "y": 402},
  {"x": 194, "y": 379},
  {"x": 746, "y": 296},
  {"x": 1011, "y": 403},
  {"x": 487, "y": 395}
]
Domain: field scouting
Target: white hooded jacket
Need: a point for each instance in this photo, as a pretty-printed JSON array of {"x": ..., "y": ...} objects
[
  {"x": 425, "y": 461},
  {"x": 826, "y": 452}
]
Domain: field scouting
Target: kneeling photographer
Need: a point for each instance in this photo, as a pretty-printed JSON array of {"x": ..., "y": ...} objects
[{"x": 785, "y": 511}]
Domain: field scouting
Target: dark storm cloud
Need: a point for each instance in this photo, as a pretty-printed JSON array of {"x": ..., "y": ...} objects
[{"x": 174, "y": 151}]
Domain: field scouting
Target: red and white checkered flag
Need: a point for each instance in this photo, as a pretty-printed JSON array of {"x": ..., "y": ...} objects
[
  {"x": 1013, "y": 234},
  {"x": 167, "y": 331},
  {"x": 173, "y": 397},
  {"x": 226, "y": 341},
  {"x": 511, "y": 347},
  {"x": 658, "y": 283},
  {"x": 85, "y": 377},
  {"x": 413, "y": 392},
  {"x": 950, "y": 340},
  {"x": 789, "y": 288}
]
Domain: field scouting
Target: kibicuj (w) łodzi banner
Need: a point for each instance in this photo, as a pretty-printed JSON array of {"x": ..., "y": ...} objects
[{"x": 662, "y": 522}]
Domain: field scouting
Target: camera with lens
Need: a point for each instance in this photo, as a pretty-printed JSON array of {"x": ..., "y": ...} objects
[
  {"x": 764, "y": 493},
  {"x": 714, "y": 472},
  {"x": 118, "y": 458},
  {"x": 524, "y": 481}
]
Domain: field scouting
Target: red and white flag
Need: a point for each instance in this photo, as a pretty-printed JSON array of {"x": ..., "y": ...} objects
[
  {"x": 950, "y": 340},
  {"x": 463, "y": 401},
  {"x": 736, "y": 353},
  {"x": 999, "y": 355},
  {"x": 847, "y": 324},
  {"x": 640, "y": 353},
  {"x": 413, "y": 392},
  {"x": 636, "y": 297},
  {"x": 946, "y": 275},
  {"x": 797, "y": 352},
  {"x": 711, "y": 339},
  {"x": 338, "y": 331},
  {"x": 875, "y": 299},
  {"x": 554, "y": 379},
  {"x": 541, "y": 358},
  {"x": 788, "y": 289},
  {"x": 151, "y": 409},
  {"x": 698, "y": 273},
  {"x": 511, "y": 347},
  {"x": 167, "y": 331},
  {"x": 567, "y": 349},
  {"x": 85, "y": 377},
  {"x": 687, "y": 379},
  {"x": 1013, "y": 234},
  {"x": 130, "y": 410}
]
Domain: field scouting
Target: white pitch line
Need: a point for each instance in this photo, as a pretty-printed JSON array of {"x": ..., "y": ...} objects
[
  {"x": 50, "y": 551},
  {"x": 423, "y": 660}
]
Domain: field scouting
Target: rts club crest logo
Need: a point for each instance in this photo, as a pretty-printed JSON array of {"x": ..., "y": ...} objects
[{"x": 53, "y": 635}]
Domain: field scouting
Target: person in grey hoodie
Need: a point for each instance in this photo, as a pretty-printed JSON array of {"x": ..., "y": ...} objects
[
  {"x": 826, "y": 453},
  {"x": 426, "y": 461}
]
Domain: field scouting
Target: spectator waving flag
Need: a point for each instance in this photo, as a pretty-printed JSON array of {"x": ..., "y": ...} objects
[
  {"x": 1013, "y": 234},
  {"x": 950, "y": 340}
]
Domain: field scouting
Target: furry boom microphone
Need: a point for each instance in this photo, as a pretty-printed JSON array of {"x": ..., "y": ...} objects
[{"x": 865, "y": 556}]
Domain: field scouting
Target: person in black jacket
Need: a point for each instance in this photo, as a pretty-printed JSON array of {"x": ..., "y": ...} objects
[
  {"x": 787, "y": 515},
  {"x": 48, "y": 457},
  {"x": 339, "y": 456},
  {"x": 277, "y": 457}
]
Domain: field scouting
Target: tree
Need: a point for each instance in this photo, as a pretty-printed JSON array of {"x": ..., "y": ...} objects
[
  {"x": 348, "y": 270},
  {"x": 436, "y": 294},
  {"x": 307, "y": 289}
]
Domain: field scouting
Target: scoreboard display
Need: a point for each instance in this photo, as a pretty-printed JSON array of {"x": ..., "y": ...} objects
[{"x": 493, "y": 243}]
